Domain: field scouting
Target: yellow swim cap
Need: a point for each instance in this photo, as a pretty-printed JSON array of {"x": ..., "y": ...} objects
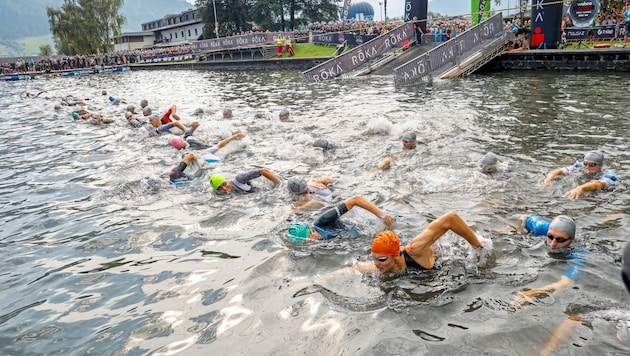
[{"x": 216, "y": 180}]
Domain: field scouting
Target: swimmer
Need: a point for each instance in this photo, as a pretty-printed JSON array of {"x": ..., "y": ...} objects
[
  {"x": 592, "y": 165},
  {"x": 562, "y": 332},
  {"x": 284, "y": 114},
  {"x": 559, "y": 234},
  {"x": 180, "y": 144},
  {"x": 176, "y": 175},
  {"x": 311, "y": 191},
  {"x": 328, "y": 225},
  {"x": 227, "y": 113},
  {"x": 324, "y": 144},
  {"x": 242, "y": 182},
  {"x": 488, "y": 163},
  {"x": 409, "y": 143},
  {"x": 171, "y": 112},
  {"x": 160, "y": 128}
]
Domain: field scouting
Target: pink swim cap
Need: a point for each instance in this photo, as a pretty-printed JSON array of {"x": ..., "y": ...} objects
[{"x": 178, "y": 143}]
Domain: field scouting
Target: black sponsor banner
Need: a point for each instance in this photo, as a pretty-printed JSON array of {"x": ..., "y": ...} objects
[
  {"x": 339, "y": 38},
  {"x": 576, "y": 33},
  {"x": 599, "y": 32},
  {"x": 359, "y": 55},
  {"x": 546, "y": 21},
  {"x": 239, "y": 41},
  {"x": 417, "y": 9}
]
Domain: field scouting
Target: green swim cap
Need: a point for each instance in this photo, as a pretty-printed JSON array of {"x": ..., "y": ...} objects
[
  {"x": 216, "y": 180},
  {"x": 75, "y": 115},
  {"x": 298, "y": 232}
]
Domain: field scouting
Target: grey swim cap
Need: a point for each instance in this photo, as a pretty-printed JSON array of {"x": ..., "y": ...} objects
[
  {"x": 146, "y": 111},
  {"x": 297, "y": 185},
  {"x": 227, "y": 112},
  {"x": 323, "y": 144},
  {"x": 490, "y": 159},
  {"x": 144, "y": 102},
  {"x": 595, "y": 156},
  {"x": 131, "y": 108},
  {"x": 128, "y": 115},
  {"x": 198, "y": 111},
  {"x": 563, "y": 223},
  {"x": 284, "y": 112},
  {"x": 409, "y": 136}
]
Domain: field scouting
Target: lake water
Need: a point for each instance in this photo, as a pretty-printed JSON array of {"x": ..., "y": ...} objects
[{"x": 101, "y": 256}]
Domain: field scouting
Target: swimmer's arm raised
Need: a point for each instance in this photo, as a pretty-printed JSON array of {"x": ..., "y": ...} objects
[{"x": 270, "y": 175}]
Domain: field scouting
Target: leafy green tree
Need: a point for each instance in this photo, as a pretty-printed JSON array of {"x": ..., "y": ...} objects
[
  {"x": 232, "y": 17},
  {"x": 85, "y": 26},
  {"x": 45, "y": 50},
  {"x": 291, "y": 14}
]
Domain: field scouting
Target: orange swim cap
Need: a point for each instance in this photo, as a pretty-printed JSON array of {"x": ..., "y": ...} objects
[{"x": 386, "y": 243}]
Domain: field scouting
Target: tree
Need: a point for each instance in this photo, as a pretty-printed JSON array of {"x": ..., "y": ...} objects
[
  {"x": 45, "y": 50},
  {"x": 85, "y": 26},
  {"x": 232, "y": 17},
  {"x": 273, "y": 14}
]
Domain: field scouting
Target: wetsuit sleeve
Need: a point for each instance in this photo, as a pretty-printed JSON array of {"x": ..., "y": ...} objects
[
  {"x": 164, "y": 128},
  {"x": 576, "y": 167},
  {"x": 177, "y": 173},
  {"x": 537, "y": 225},
  {"x": 608, "y": 178},
  {"x": 244, "y": 178},
  {"x": 576, "y": 264},
  {"x": 329, "y": 218}
]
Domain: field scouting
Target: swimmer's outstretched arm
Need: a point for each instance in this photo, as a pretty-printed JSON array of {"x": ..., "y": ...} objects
[
  {"x": 561, "y": 334},
  {"x": 521, "y": 298},
  {"x": 237, "y": 136},
  {"x": 360, "y": 201},
  {"x": 387, "y": 161},
  {"x": 323, "y": 181},
  {"x": 553, "y": 174},
  {"x": 437, "y": 228},
  {"x": 179, "y": 125},
  {"x": 270, "y": 175},
  {"x": 588, "y": 186}
]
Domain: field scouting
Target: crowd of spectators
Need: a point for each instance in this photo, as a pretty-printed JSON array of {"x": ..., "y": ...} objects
[{"x": 57, "y": 63}]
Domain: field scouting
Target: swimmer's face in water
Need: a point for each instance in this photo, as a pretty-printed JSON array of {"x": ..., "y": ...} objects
[
  {"x": 225, "y": 188},
  {"x": 409, "y": 145}
]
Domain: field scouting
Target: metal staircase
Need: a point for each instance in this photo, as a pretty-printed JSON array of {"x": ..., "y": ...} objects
[{"x": 476, "y": 60}]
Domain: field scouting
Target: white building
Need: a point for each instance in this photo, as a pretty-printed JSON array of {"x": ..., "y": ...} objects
[{"x": 172, "y": 30}]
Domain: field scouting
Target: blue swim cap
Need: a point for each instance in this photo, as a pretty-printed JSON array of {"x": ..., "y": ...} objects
[
  {"x": 111, "y": 98},
  {"x": 298, "y": 232}
]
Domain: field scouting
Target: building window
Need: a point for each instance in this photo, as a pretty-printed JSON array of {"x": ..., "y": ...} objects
[
  {"x": 182, "y": 34},
  {"x": 175, "y": 34},
  {"x": 195, "y": 32},
  {"x": 171, "y": 35},
  {"x": 189, "y": 33}
]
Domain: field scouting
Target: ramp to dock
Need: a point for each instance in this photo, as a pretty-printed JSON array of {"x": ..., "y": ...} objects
[{"x": 459, "y": 56}]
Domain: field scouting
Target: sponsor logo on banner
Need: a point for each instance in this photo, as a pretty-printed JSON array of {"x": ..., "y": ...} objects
[
  {"x": 239, "y": 41},
  {"x": 359, "y": 55}
]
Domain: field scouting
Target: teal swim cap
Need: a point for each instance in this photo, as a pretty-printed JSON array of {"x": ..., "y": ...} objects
[
  {"x": 75, "y": 115},
  {"x": 298, "y": 232}
]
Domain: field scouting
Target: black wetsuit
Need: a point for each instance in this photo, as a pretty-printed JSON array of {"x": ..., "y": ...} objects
[{"x": 411, "y": 263}]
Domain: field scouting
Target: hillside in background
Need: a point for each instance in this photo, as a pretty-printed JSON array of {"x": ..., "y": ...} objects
[{"x": 28, "y": 19}]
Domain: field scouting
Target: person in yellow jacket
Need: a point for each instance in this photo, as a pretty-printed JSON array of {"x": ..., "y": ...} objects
[
  {"x": 288, "y": 46},
  {"x": 280, "y": 45}
]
